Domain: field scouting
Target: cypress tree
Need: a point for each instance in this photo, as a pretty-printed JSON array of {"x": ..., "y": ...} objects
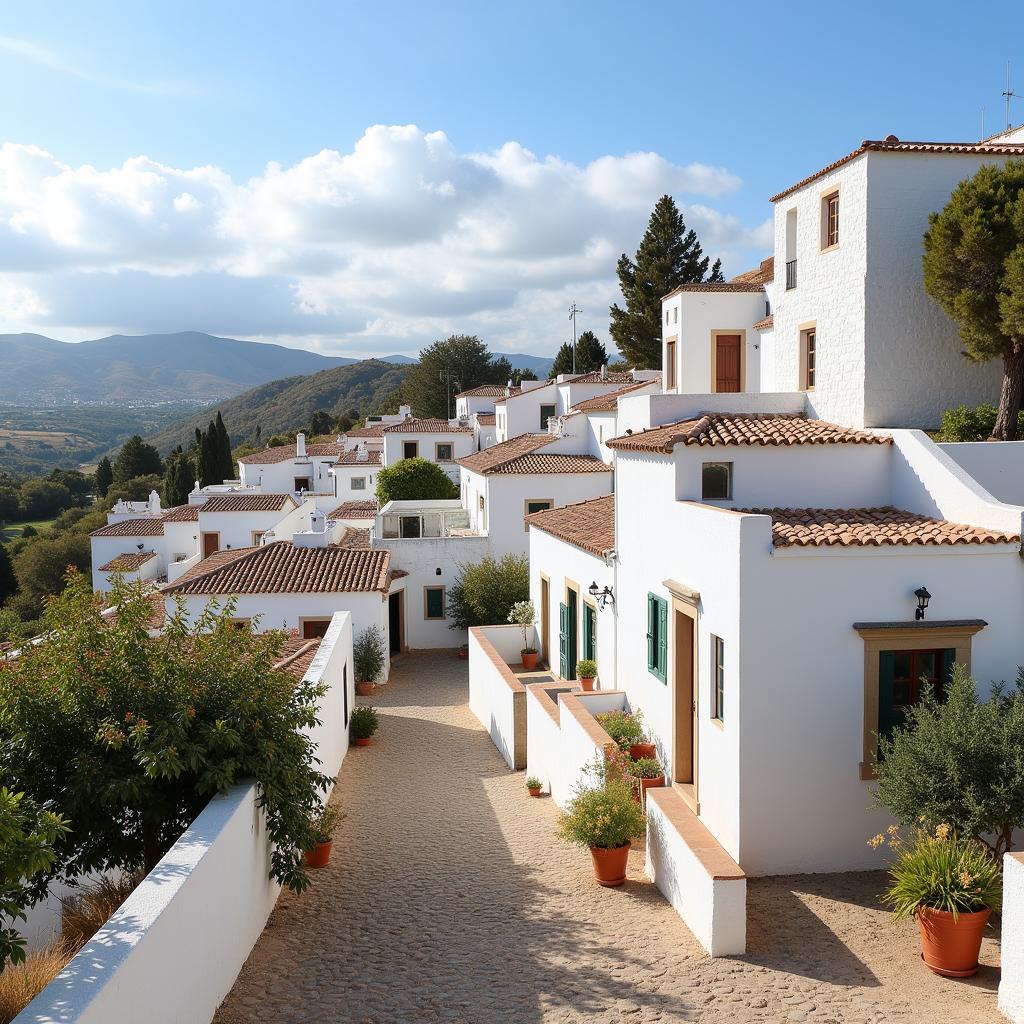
[
  {"x": 178, "y": 480},
  {"x": 8, "y": 581},
  {"x": 226, "y": 461},
  {"x": 669, "y": 255},
  {"x": 590, "y": 355},
  {"x": 104, "y": 477}
]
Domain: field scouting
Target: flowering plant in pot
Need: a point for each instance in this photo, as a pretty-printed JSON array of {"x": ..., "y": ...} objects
[
  {"x": 951, "y": 885},
  {"x": 586, "y": 672},
  {"x": 523, "y": 615},
  {"x": 533, "y": 785},
  {"x": 605, "y": 819},
  {"x": 368, "y": 659},
  {"x": 323, "y": 826},
  {"x": 363, "y": 725},
  {"x": 648, "y": 772},
  {"x": 625, "y": 728}
]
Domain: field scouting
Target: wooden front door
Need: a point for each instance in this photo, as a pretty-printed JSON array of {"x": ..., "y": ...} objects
[
  {"x": 684, "y": 677},
  {"x": 727, "y": 362},
  {"x": 211, "y": 543},
  {"x": 395, "y": 624}
]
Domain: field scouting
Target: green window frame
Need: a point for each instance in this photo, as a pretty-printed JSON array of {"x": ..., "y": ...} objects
[
  {"x": 589, "y": 632},
  {"x": 657, "y": 637},
  {"x": 546, "y": 412},
  {"x": 901, "y": 674},
  {"x": 718, "y": 679},
  {"x": 433, "y": 603}
]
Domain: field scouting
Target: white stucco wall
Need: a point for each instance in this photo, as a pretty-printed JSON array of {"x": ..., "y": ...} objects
[
  {"x": 520, "y": 414},
  {"x": 497, "y": 699},
  {"x": 1011, "y": 981},
  {"x": 236, "y": 529},
  {"x": 280, "y": 476},
  {"x": 462, "y": 443},
  {"x": 996, "y": 466},
  {"x": 105, "y": 549},
  {"x": 344, "y": 476}
]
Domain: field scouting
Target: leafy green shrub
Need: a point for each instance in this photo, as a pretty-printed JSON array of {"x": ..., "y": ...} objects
[
  {"x": 586, "y": 669},
  {"x": 414, "y": 480},
  {"x": 532, "y": 782},
  {"x": 364, "y": 722},
  {"x": 606, "y": 816},
  {"x": 647, "y": 768},
  {"x": 958, "y": 762},
  {"x": 523, "y": 614},
  {"x": 485, "y": 592},
  {"x": 324, "y": 823},
  {"x": 963, "y": 423},
  {"x": 368, "y": 655},
  {"x": 624, "y": 728},
  {"x": 940, "y": 871}
]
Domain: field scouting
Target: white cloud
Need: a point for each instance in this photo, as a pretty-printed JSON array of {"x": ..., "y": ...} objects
[{"x": 382, "y": 248}]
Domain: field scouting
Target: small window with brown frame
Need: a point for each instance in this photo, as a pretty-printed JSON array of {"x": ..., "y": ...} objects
[
  {"x": 809, "y": 344},
  {"x": 830, "y": 220},
  {"x": 670, "y": 364}
]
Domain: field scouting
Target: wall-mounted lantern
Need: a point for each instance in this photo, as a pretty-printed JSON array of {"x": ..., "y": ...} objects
[
  {"x": 923, "y": 597},
  {"x": 601, "y": 596}
]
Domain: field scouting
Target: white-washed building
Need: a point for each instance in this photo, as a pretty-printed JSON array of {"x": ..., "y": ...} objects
[{"x": 436, "y": 440}]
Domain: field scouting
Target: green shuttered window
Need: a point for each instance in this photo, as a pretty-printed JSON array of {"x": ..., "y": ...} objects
[{"x": 657, "y": 636}]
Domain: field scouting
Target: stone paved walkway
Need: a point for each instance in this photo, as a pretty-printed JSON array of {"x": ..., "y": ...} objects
[{"x": 448, "y": 898}]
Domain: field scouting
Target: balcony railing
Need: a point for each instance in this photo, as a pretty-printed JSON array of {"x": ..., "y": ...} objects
[{"x": 790, "y": 274}]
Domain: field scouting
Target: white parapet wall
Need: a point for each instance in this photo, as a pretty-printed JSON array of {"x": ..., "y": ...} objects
[
  {"x": 496, "y": 696},
  {"x": 705, "y": 886},
  {"x": 173, "y": 950},
  {"x": 1011, "y": 982}
]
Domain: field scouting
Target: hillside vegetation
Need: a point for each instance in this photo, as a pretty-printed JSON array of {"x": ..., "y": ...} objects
[{"x": 288, "y": 404}]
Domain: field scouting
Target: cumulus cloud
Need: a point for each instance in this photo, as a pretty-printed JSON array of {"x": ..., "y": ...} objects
[{"x": 382, "y": 248}]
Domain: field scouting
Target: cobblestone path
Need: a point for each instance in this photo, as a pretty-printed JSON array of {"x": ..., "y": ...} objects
[{"x": 448, "y": 898}]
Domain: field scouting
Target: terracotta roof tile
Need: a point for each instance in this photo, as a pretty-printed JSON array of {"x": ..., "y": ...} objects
[
  {"x": 718, "y": 286},
  {"x": 285, "y": 452},
  {"x": 131, "y": 528},
  {"x": 486, "y": 391},
  {"x": 764, "y": 274},
  {"x": 355, "y": 537},
  {"x": 128, "y": 561},
  {"x": 373, "y": 430},
  {"x": 588, "y": 524},
  {"x": 426, "y": 426},
  {"x": 247, "y": 503},
  {"x": 283, "y": 568},
  {"x": 849, "y": 527},
  {"x": 489, "y": 459},
  {"x": 609, "y": 401},
  {"x": 352, "y": 458},
  {"x": 486, "y": 419},
  {"x": 891, "y": 144},
  {"x": 767, "y": 429},
  {"x": 182, "y": 514},
  {"x": 609, "y": 377},
  {"x": 355, "y": 510},
  {"x": 766, "y": 323},
  {"x": 542, "y": 463},
  {"x": 297, "y": 654}
]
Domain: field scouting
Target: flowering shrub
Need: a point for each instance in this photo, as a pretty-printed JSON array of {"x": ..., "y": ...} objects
[
  {"x": 523, "y": 615},
  {"x": 586, "y": 669},
  {"x": 532, "y": 782},
  {"x": 940, "y": 871},
  {"x": 646, "y": 768},
  {"x": 623, "y": 727},
  {"x": 606, "y": 816}
]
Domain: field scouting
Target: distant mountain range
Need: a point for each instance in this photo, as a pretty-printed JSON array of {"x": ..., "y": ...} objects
[{"x": 151, "y": 369}]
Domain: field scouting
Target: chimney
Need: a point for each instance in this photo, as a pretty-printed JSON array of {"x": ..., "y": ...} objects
[
  {"x": 604, "y": 371},
  {"x": 362, "y": 455},
  {"x": 154, "y": 503},
  {"x": 300, "y": 446},
  {"x": 405, "y": 411},
  {"x": 316, "y": 536},
  {"x": 196, "y": 496}
]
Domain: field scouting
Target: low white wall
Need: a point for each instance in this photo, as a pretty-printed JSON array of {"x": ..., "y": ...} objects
[
  {"x": 713, "y": 908},
  {"x": 998, "y": 466},
  {"x": 1011, "y": 983},
  {"x": 581, "y": 740},
  {"x": 496, "y": 697},
  {"x": 177, "y": 944},
  {"x": 543, "y": 738}
]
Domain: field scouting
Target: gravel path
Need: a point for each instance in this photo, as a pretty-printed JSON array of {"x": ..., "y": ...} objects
[{"x": 448, "y": 898}]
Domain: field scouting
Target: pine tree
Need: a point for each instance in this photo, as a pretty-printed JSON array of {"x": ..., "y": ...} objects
[
  {"x": 716, "y": 272},
  {"x": 104, "y": 477},
  {"x": 225, "y": 458},
  {"x": 8, "y": 581},
  {"x": 590, "y": 355},
  {"x": 463, "y": 358},
  {"x": 136, "y": 458},
  {"x": 669, "y": 255},
  {"x": 179, "y": 478}
]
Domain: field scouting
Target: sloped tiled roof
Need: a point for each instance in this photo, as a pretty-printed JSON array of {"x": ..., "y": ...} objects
[
  {"x": 283, "y": 568},
  {"x": 355, "y": 537},
  {"x": 486, "y": 419},
  {"x": 718, "y": 286},
  {"x": 763, "y": 274},
  {"x": 768, "y": 429},
  {"x": 766, "y": 323},
  {"x": 297, "y": 654},
  {"x": 874, "y": 527},
  {"x": 373, "y": 430},
  {"x": 131, "y": 528},
  {"x": 609, "y": 401},
  {"x": 286, "y": 452},
  {"x": 490, "y": 458},
  {"x": 541, "y": 463},
  {"x": 486, "y": 391},
  {"x": 891, "y": 144},
  {"x": 128, "y": 561},
  {"x": 589, "y": 525},
  {"x": 246, "y": 503},
  {"x": 182, "y": 514},
  {"x": 426, "y": 426},
  {"x": 609, "y": 377},
  {"x": 355, "y": 510},
  {"x": 352, "y": 458}
]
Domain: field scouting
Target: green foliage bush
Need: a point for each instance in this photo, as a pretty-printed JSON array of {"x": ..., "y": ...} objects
[
  {"x": 647, "y": 768},
  {"x": 485, "y": 592},
  {"x": 606, "y": 816},
  {"x": 586, "y": 669},
  {"x": 414, "y": 480},
  {"x": 368, "y": 655},
  {"x": 364, "y": 722},
  {"x": 624, "y": 728},
  {"x": 963, "y": 423}
]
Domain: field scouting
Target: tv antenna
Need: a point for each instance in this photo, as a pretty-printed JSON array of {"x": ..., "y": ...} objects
[
  {"x": 1008, "y": 95},
  {"x": 573, "y": 311}
]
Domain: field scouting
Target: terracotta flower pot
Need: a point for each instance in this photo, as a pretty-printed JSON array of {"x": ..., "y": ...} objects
[
  {"x": 949, "y": 947},
  {"x": 364, "y": 688},
  {"x": 361, "y": 741},
  {"x": 638, "y": 750},
  {"x": 463, "y": 653},
  {"x": 529, "y": 659},
  {"x": 610, "y": 865},
  {"x": 534, "y": 791},
  {"x": 646, "y": 784},
  {"x": 319, "y": 855},
  {"x": 587, "y": 682}
]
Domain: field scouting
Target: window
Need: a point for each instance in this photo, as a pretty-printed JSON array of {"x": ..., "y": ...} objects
[
  {"x": 314, "y": 628},
  {"x": 666, "y": 316},
  {"x": 657, "y": 637},
  {"x": 589, "y": 632},
  {"x": 830, "y": 220},
  {"x": 675, "y": 314},
  {"x": 718, "y": 678},
  {"x": 532, "y": 505},
  {"x": 443, "y": 452},
  {"x": 790, "y": 249},
  {"x": 410, "y": 449},
  {"x": 809, "y": 357},
  {"x": 301, "y": 483},
  {"x": 483, "y": 516},
  {"x": 433, "y": 603},
  {"x": 409, "y": 527},
  {"x": 359, "y": 483},
  {"x": 546, "y": 412},
  {"x": 670, "y": 364},
  {"x": 716, "y": 481},
  {"x": 902, "y": 676}
]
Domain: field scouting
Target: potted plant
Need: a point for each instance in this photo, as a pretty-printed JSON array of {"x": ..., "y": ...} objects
[
  {"x": 586, "y": 671},
  {"x": 368, "y": 659},
  {"x": 951, "y": 885},
  {"x": 605, "y": 819},
  {"x": 323, "y": 826},
  {"x": 463, "y": 652},
  {"x": 533, "y": 785},
  {"x": 523, "y": 614},
  {"x": 625, "y": 729},
  {"x": 363, "y": 725},
  {"x": 648, "y": 773}
]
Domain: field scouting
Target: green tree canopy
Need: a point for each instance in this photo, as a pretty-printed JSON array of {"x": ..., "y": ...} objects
[
  {"x": 321, "y": 422},
  {"x": 179, "y": 479},
  {"x": 10, "y": 505},
  {"x": 974, "y": 269},
  {"x": 40, "y": 499},
  {"x": 225, "y": 460},
  {"x": 484, "y": 592},
  {"x": 669, "y": 255},
  {"x": 8, "y": 581},
  {"x": 136, "y": 489},
  {"x": 136, "y": 458},
  {"x": 104, "y": 476},
  {"x": 42, "y": 565},
  {"x": 412, "y": 480},
  {"x": 154, "y": 726},
  {"x": 79, "y": 484},
  {"x": 465, "y": 358},
  {"x": 590, "y": 355}
]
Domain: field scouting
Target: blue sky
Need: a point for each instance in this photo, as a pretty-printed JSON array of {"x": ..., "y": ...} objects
[{"x": 512, "y": 195}]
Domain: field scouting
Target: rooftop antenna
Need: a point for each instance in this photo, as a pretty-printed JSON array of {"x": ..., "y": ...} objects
[
  {"x": 1009, "y": 94},
  {"x": 983, "y": 136},
  {"x": 573, "y": 311}
]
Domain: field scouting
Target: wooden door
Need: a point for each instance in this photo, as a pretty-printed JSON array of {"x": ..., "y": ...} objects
[
  {"x": 684, "y": 761},
  {"x": 211, "y": 543},
  {"x": 727, "y": 362}
]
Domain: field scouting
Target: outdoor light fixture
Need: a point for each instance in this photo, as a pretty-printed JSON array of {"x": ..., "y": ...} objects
[
  {"x": 923, "y": 597},
  {"x": 601, "y": 596}
]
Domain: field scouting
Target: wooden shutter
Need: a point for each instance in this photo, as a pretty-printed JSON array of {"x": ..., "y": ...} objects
[
  {"x": 662, "y": 672},
  {"x": 563, "y": 641},
  {"x": 888, "y": 717},
  {"x": 435, "y": 603},
  {"x": 652, "y": 627},
  {"x": 589, "y": 633},
  {"x": 946, "y": 669}
]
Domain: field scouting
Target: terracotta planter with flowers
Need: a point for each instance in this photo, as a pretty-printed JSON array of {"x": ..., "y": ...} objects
[
  {"x": 950, "y": 946},
  {"x": 364, "y": 689},
  {"x": 610, "y": 865},
  {"x": 319, "y": 856},
  {"x": 641, "y": 750}
]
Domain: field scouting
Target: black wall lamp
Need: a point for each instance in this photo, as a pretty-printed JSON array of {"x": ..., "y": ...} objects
[
  {"x": 923, "y": 597},
  {"x": 602, "y": 596}
]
